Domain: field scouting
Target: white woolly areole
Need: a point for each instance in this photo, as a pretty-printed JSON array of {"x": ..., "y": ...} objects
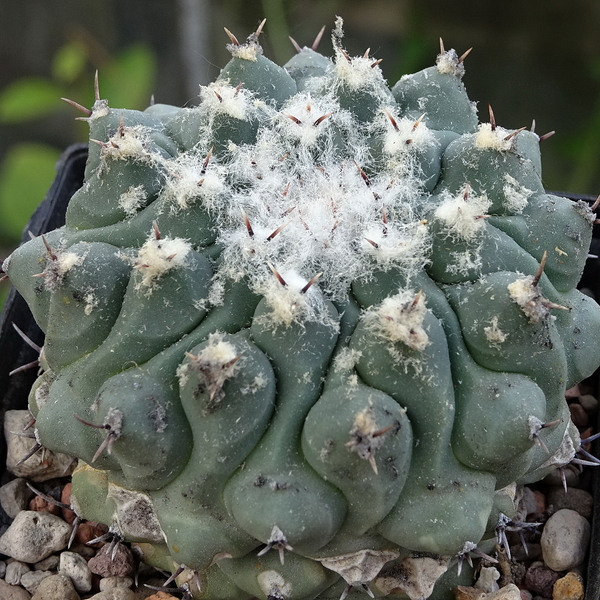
[
  {"x": 273, "y": 584},
  {"x": 99, "y": 110},
  {"x": 157, "y": 257},
  {"x": 358, "y": 72},
  {"x": 217, "y": 358},
  {"x": 189, "y": 181},
  {"x": 494, "y": 335},
  {"x": 221, "y": 97},
  {"x": 305, "y": 119},
  {"x": 406, "y": 135},
  {"x": 400, "y": 318},
  {"x": 463, "y": 216},
  {"x": 57, "y": 266},
  {"x": 127, "y": 143},
  {"x": 516, "y": 195},
  {"x": 288, "y": 303},
  {"x": 487, "y": 138},
  {"x": 250, "y": 50},
  {"x": 447, "y": 63},
  {"x": 527, "y": 295},
  {"x": 132, "y": 199}
]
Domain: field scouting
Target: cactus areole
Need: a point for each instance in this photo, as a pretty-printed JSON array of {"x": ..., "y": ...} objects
[{"x": 307, "y": 337}]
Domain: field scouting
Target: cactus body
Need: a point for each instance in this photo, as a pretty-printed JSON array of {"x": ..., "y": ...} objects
[{"x": 318, "y": 324}]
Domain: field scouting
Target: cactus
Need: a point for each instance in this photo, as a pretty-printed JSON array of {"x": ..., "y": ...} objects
[{"x": 306, "y": 337}]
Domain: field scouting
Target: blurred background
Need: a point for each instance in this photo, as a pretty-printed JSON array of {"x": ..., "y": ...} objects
[{"x": 538, "y": 59}]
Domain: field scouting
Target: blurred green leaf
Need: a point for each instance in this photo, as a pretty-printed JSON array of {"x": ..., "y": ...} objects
[
  {"x": 28, "y": 98},
  {"x": 128, "y": 81},
  {"x": 69, "y": 62},
  {"x": 25, "y": 176}
]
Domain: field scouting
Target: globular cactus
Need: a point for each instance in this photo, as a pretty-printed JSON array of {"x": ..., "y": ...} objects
[{"x": 306, "y": 337}]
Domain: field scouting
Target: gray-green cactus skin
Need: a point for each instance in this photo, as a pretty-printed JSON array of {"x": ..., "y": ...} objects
[{"x": 312, "y": 315}]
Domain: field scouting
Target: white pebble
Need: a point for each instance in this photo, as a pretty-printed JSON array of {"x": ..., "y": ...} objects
[
  {"x": 14, "y": 572},
  {"x": 15, "y": 496},
  {"x": 75, "y": 566},
  {"x": 117, "y": 593},
  {"x": 32, "y": 579},
  {"x": 565, "y": 540},
  {"x": 17, "y": 446},
  {"x": 33, "y": 536},
  {"x": 108, "y": 583}
]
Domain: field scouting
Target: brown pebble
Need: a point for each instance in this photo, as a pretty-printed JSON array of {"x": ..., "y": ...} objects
[
  {"x": 38, "y": 504},
  {"x": 539, "y": 579},
  {"x": 589, "y": 403},
  {"x": 569, "y": 587},
  {"x": 104, "y": 564},
  {"x": 88, "y": 531},
  {"x": 578, "y": 415},
  {"x": 65, "y": 497},
  {"x": 165, "y": 596},
  {"x": 573, "y": 393},
  {"x": 463, "y": 592},
  {"x": 576, "y": 499}
]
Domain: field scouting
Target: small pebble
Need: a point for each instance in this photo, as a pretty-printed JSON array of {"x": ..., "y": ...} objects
[
  {"x": 569, "y": 587},
  {"x": 56, "y": 587},
  {"x": 65, "y": 497},
  {"x": 48, "y": 564},
  {"x": 573, "y": 393},
  {"x": 38, "y": 504},
  {"x": 2, "y": 568},
  {"x": 527, "y": 501},
  {"x": 14, "y": 572},
  {"x": 555, "y": 478},
  {"x": 539, "y": 579},
  {"x": 104, "y": 564},
  {"x": 589, "y": 404},
  {"x": 88, "y": 531},
  {"x": 35, "y": 468},
  {"x": 14, "y": 496},
  {"x": 578, "y": 415},
  {"x": 114, "y": 594},
  {"x": 32, "y": 579},
  {"x": 565, "y": 540},
  {"x": 75, "y": 566},
  {"x": 86, "y": 551},
  {"x": 108, "y": 583},
  {"x": 526, "y": 595},
  {"x": 487, "y": 580},
  {"x": 508, "y": 592},
  {"x": 33, "y": 536},
  {"x": 580, "y": 501},
  {"x": 165, "y": 596},
  {"x": 11, "y": 592}
]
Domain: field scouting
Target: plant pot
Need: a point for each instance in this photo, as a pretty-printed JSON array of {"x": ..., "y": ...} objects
[{"x": 15, "y": 351}]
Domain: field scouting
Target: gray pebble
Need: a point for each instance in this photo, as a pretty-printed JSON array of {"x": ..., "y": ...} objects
[
  {"x": 11, "y": 592},
  {"x": 34, "y": 536},
  {"x": 565, "y": 540},
  {"x": 75, "y": 566},
  {"x": 48, "y": 564},
  {"x": 108, "y": 583},
  {"x": 589, "y": 403},
  {"x": 15, "y": 496},
  {"x": 14, "y": 572},
  {"x": 576, "y": 499},
  {"x": 2, "y": 568},
  {"x": 117, "y": 593},
  {"x": 34, "y": 468},
  {"x": 32, "y": 579},
  {"x": 56, "y": 587}
]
